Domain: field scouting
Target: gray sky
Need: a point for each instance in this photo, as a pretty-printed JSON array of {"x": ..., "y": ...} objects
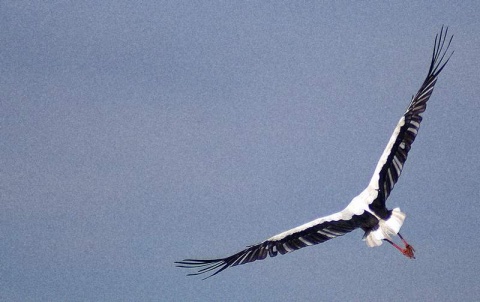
[{"x": 134, "y": 134}]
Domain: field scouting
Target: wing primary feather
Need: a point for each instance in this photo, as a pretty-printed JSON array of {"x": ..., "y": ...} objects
[{"x": 438, "y": 50}]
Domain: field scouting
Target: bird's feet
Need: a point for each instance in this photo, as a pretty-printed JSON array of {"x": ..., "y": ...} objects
[{"x": 408, "y": 251}]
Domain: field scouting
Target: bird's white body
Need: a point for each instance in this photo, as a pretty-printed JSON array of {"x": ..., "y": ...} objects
[{"x": 357, "y": 206}]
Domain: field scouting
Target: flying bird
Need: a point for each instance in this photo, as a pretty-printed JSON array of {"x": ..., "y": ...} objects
[{"x": 367, "y": 210}]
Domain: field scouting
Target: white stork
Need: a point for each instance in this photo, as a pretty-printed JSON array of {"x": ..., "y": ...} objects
[{"x": 367, "y": 210}]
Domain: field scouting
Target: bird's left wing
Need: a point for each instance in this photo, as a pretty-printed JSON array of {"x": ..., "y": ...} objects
[
  {"x": 391, "y": 162},
  {"x": 311, "y": 233}
]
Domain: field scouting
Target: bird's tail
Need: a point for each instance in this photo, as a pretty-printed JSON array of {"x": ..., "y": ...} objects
[{"x": 390, "y": 226}]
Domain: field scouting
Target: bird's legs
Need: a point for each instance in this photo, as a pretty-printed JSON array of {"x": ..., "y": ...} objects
[{"x": 408, "y": 251}]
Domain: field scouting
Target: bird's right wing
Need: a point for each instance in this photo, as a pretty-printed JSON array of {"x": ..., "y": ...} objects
[
  {"x": 394, "y": 156},
  {"x": 311, "y": 233}
]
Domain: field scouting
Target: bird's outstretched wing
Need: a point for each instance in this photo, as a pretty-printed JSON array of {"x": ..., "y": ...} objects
[
  {"x": 314, "y": 232},
  {"x": 391, "y": 162}
]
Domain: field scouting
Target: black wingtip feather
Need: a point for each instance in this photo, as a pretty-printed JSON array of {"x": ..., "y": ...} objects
[
  {"x": 204, "y": 266},
  {"x": 439, "y": 52}
]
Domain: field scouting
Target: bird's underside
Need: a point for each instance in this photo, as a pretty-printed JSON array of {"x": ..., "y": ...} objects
[{"x": 367, "y": 210}]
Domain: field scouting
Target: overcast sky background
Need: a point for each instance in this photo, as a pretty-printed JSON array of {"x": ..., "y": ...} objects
[{"x": 134, "y": 134}]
